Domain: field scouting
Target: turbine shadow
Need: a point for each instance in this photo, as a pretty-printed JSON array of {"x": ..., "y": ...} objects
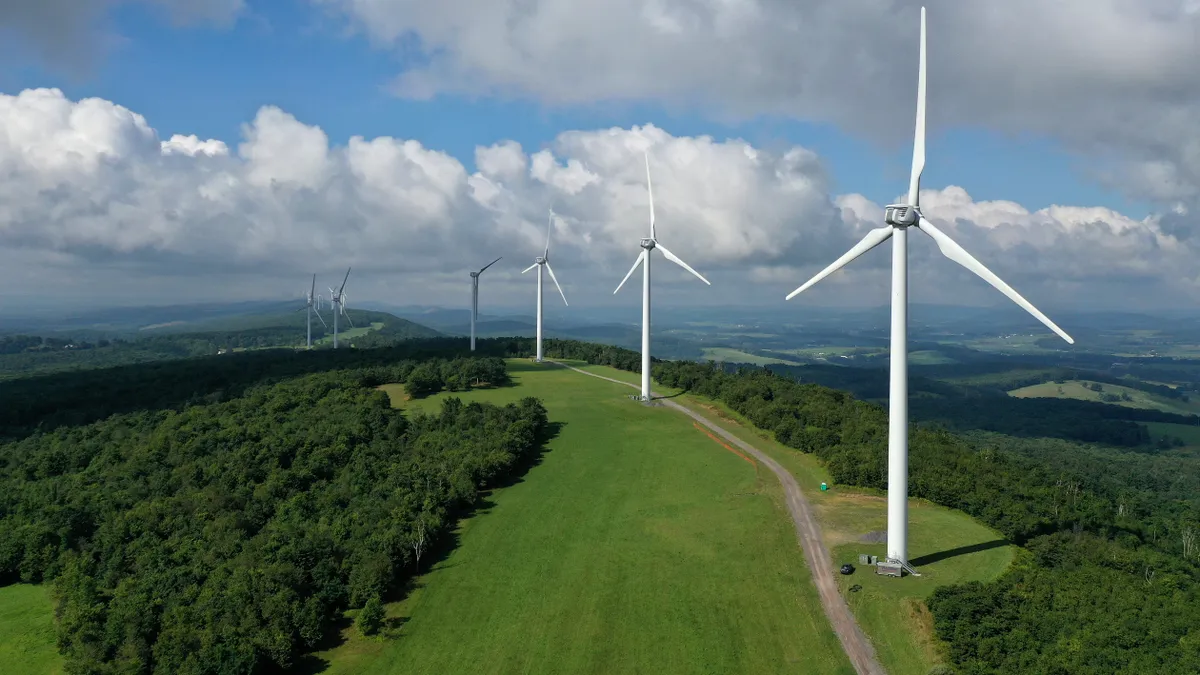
[{"x": 955, "y": 552}]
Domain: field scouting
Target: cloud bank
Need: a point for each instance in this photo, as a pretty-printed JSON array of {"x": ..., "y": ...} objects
[
  {"x": 91, "y": 189},
  {"x": 1105, "y": 77}
]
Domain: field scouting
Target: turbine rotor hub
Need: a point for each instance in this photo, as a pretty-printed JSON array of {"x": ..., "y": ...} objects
[
  {"x": 647, "y": 243},
  {"x": 474, "y": 274},
  {"x": 540, "y": 260},
  {"x": 901, "y": 215}
]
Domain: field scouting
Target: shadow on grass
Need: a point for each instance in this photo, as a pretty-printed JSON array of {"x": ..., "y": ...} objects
[
  {"x": 434, "y": 558},
  {"x": 955, "y": 552}
]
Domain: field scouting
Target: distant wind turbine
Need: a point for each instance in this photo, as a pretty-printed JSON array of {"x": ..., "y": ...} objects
[
  {"x": 900, "y": 217},
  {"x": 475, "y": 298},
  {"x": 313, "y": 305},
  {"x": 338, "y": 300},
  {"x": 649, "y": 244},
  {"x": 540, "y": 262}
]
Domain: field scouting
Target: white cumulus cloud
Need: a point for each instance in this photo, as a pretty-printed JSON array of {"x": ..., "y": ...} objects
[
  {"x": 94, "y": 197},
  {"x": 1102, "y": 76}
]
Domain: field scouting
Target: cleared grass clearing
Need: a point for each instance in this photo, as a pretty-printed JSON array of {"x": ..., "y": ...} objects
[
  {"x": 948, "y": 546},
  {"x": 345, "y": 333},
  {"x": 1189, "y": 434},
  {"x": 729, "y": 355},
  {"x": 929, "y": 357},
  {"x": 27, "y": 631},
  {"x": 637, "y": 545},
  {"x": 1078, "y": 389}
]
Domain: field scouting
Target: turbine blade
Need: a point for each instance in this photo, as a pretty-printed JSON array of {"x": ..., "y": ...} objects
[
  {"x": 549, "y": 226},
  {"x": 675, "y": 259},
  {"x": 314, "y": 289},
  {"x": 529, "y": 268},
  {"x": 490, "y": 264},
  {"x": 555, "y": 280},
  {"x": 874, "y": 238},
  {"x": 631, "y": 269},
  {"x": 918, "y": 165},
  {"x": 322, "y": 321},
  {"x": 344, "y": 281},
  {"x": 958, "y": 254},
  {"x": 650, "y": 191}
]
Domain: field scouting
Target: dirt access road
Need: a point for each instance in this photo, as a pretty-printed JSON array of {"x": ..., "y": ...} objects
[{"x": 854, "y": 641}]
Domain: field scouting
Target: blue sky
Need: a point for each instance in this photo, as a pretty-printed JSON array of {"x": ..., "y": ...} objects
[{"x": 208, "y": 82}]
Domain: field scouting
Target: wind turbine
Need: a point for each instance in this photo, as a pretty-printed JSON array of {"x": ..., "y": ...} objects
[
  {"x": 313, "y": 305},
  {"x": 900, "y": 217},
  {"x": 540, "y": 262},
  {"x": 648, "y": 244},
  {"x": 475, "y": 298},
  {"x": 338, "y": 300}
]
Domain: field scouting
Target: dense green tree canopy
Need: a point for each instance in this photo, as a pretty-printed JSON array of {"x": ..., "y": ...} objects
[{"x": 225, "y": 537}]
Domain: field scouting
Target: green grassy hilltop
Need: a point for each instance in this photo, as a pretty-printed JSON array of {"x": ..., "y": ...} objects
[{"x": 638, "y": 545}]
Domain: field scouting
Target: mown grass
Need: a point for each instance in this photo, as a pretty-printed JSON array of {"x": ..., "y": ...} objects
[
  {"x": 946, "y": 546},
  {"x": 345, "y": 332},
  {"x": 1079, "y": 389},
  {"x": 637, "y": 545},
  {"x": 730, "y": 355},
  {"x": 1188, "y": 433},
  {"x": 27, "y": 631}
]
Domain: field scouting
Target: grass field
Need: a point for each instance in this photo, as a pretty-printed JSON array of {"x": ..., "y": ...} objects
[
  {"x": 27, "y": 631},
  {"x": 929, "y": 357},
  {"x": 637, "y": 545},
  {"x": 946, "y": 546},
  {"x": 345, "y": 333},
  {"x": 1189, "y": 434},
  {"x": 728, "y": 355},
  {"x": 1077, "y": 389}
]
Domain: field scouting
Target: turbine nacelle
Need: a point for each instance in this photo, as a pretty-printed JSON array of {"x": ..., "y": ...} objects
[
  {"x": 901, "y": 215},
  {"x": 647, "y": 243},
  {"x": 540, "y": 260}
]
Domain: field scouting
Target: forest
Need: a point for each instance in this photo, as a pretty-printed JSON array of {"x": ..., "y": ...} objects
[
  {"x": 229, "y": 536},
  {"x": 1109, "y": 577}
]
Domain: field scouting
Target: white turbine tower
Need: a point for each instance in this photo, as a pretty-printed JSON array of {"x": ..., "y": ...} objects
[
  {"x": 313, "y": 305},
  {"x": 649, "y": 244},
  {"x": 900, "y": 217},
  {"x": 475, "y": 298},
  {"x": 338, "y": 302},
  {"x": 540, "y": 262}
]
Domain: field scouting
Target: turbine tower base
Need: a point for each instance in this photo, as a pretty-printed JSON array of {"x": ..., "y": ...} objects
[{"x": 895, "y": 568}]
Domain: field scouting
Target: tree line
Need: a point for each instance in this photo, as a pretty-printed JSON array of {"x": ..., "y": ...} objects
[{"x": 227, "y": 537}]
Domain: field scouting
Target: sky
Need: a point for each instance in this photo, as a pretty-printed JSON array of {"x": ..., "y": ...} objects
[{"x": 162, "y": 151}]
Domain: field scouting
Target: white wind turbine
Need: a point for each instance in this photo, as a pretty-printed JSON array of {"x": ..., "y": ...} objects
[
  {"x": 899, "y": 217},
  {"x": 338, "y": 300},
  {"x": 540, "y": 262},
  {"x": 313, "y": 305},
  {"x": 475, "y": 298},
  {"x": 649, "y": 244}
]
